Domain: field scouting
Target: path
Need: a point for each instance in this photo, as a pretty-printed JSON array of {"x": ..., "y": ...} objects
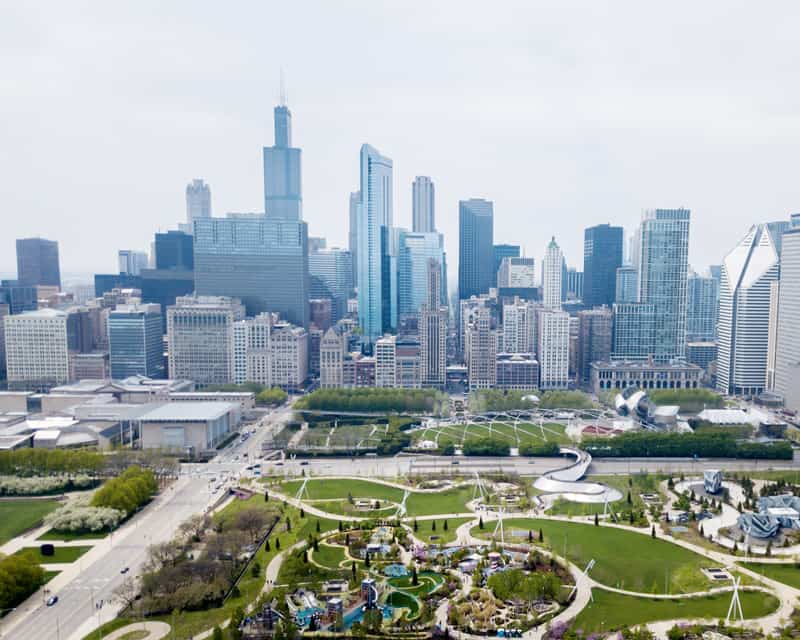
[{"x": 156, "y": 630}]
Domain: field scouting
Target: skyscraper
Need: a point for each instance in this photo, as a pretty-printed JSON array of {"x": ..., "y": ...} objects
[
  {"x": 423, "y": 204},
  {"x": 481, "y": 351},
  {"x": 702, "y": 308},
  {"x": 131, "y": 262},
  {"x": 352, "y": 236},
  {"x": 748, "y": 274},
  {"x": 476, "y": 265},
  {"x": 663, "y": 266},
  {"x": 135, "y": 341},
  {"x": 331, "y": 276},
  {"x": 37, "y": 355},
  {"x": 433, "y": 329},
  {"x": 551, "y": 275},
  {"x": 552, "y": 326},
  {"x": 282, "y": 181},
  {"x": 415, "y": 250},
  {"x": 37, "y": 262},
  {"x": 627, "y": 289},
  {"x": 602, "y": 255},
  {"x": 634, "y": 331},
  {"x": 594, "y": 340},
  {"x": 787, "y": 358},
  {"x": 519, "y": 326},
  {"x": 500, "y": 253},
  {"x": 198, "y": 202},
  {"x": 174, "y": 250},
  {"x": 262, "y": 260},
  {"x": 374, "y": 216},
  {"x": 516, "y": 273}
]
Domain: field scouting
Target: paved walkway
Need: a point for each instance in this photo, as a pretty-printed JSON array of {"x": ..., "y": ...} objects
[{"x": 157, "y": 630}]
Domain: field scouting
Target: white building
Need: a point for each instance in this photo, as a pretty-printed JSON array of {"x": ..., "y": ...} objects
[
  {"x": 787, "y": 361},
  {"x": 423, "y": 205},
  {"x": 386, "y": 362},
  {"x": 519, "y": 327},
  {"x": 553, "y": 349},
  {"x": 132, "y": 262},
  {"x": 481, "y": 351},
  {"x": 37, "y": 356},
  {"x": 200, "y": 330},
  {"x": 551, "y": 275},
  {"x": 188, "y": 426},
  {"x": 270, "y": 352},
  {"x": 332, "y": 350},
  {"x": 433, "y": 331},
  {"x": 748, "y": 272},
  {"x": 289, "y": 356},
  {"x": 516, "y": 272}
]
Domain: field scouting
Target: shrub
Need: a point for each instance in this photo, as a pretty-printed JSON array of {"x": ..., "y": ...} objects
[
  {"x": 126, "y": 493},
  {"x": 17, "y": 486},
  {"x": 77, "y": 517}
]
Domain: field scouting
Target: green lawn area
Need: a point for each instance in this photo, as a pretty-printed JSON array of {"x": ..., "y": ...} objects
[
  {"x": 61, "y": 555},
  {"x": 328, "y": 489},
  {"x": 68, "y": 536},
  {"x": 433, "y": 503},
  {"x": 425, "y": 530},
  {"x": 399, "y": 599},
  {"x": 788, "y": 573},
  {"x": 137, "y": 634},
  {"x": 623, "y": 559},
  {"x": 18, "y": 516},
  {"x": 526, "y": 433},
  {"x": 426, "y": 583},
  {"x": 344, "y": 508},
  {"x": 108, "y": 628},
  {"x": 641, "y": 483},
  {"x": 329, "y": 556},
  {"x": 615, "y": 611}
]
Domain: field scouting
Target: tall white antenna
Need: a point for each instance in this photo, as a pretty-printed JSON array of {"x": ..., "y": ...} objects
[{"x": 735, "y": 609}]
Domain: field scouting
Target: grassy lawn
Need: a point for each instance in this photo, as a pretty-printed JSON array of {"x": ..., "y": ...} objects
[
  {"x": 526, "y": 433},
  {"x": 329, "y": 489},
  {"x": 615, "y": 611},
  {"x": 400, "y": 599},
  {"x": 68, "y": 536},
  {"x": 344, "y": 508},
  {"x": 61, "y": 555},
  {"x": 426, "y": 533},
  {"x": 790, "y": 476},
  {"x": 426, "y": 583},
  {"x": 788, "y": 573},
  {"x": 329, "y": 556},
  {"x": 624, "y": 559},
  {"x": 17, "y": 516},
  {"x": 448, "y": 501},
  {"x": 641, "y": 483},
  {"x": 138, "y": 634}
]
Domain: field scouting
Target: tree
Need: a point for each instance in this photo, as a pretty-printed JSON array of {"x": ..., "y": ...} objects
[
  {"x": 255, "y": 570},
  {"x": 433, "y": 525},
  {"x": 630, "y": 500},
  {"x": 277, "y": 544},
  {"x": 366, "y": 561},
  {"x": 353, "y": 571},
  {"x": 234, "y": 632},
  {"x": 305, "y": 556},
  {"x": 253, "y": 521},
  {"x": 596, "y": 520},
  {"x": 195, "y": 526},
  {"x": 318, "y": 527},
  {"x": 217, "y": 634},
  {"x": 445, "y": 525},
  {"x": 288, "y": 524},
  {"x": 266, "y": 546},
  {"x": 266, "y": 496},
  {"x": 701, "y": 530},
  {"x": 541, "y": 536},
  {"x": 653, "y": 531},
  {"x": 414, "y": 576},
  {"x": 416, "y": 525},
  {"x": 530, "y": 536},
  {"x": 126, "y": 593},
  {"x": 302, "y": 513},
  {"x": 340, "y": 526},
  {"x": 480, "y": 523}
]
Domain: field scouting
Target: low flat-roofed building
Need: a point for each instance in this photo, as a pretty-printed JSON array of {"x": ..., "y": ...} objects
[
  {"x": 136, "y": 389},
  {"x": 14, "y": 400},
  {"x": 188, "y": 426},
  {"x": 18, "y": 441},
  {"x": 621, "y": 374},
  {"x": 245, "y": 399}
]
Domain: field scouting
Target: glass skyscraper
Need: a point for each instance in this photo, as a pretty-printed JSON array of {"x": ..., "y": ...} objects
[
  {"x": 477, "y": 272},
  {"x": 374, "y": 214},
  {"x": 282, "y": 181},
  {"x": 423, "y": 205},
  {"x": 331, "y": 273},
  {"x": 663, "y": 266},
  {"x": 602, "y": 255},
  {"x": 415, "y": 251},
  {"x": 37, "y": 262},
  {"x": 174, "y": 250},
  {"x": 501, "y": 252},
  {"x": 627, "y": 289},
  {"x": 702, "y": 308},
  {"x": 135, "y": 341}
]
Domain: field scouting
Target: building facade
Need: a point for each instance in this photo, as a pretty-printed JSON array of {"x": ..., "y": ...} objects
[
  {"x": 476, "y": 268},
  {"x": 481, "y": 351},
  {"x": 135, "y": 341},
  {"x": 643, "y": 375},
  {"x": 38, "y": 263},
  {"x": 553, "y": 349},
  {"x": 517, "y": 372},
  {"x": 331, "y": 276},
  {"x": 595, "y": 340},
  {"x": 198, "y": 202},
  {"x": 702, "y": 308},
  {"x": 332, "y": 352},
  {"x": 423, "y": 199},
  {"x": 131, "y": 262},
  {"x": 415, "y": 251},
  {"x": 282, "y": 178},
  {"x": 516, "y": 272},
  {"x": 602, "y": 256},
  {"x": 787, "y": 359},
  {"x": 627, "y": 286},
  {"x": 519, "y": 327},
  {"x": 634, "y": 331},
  {"x": 432, "y": 328},
  {"x": 551, "y": 275},
  {"x": 37, "y": 356}
]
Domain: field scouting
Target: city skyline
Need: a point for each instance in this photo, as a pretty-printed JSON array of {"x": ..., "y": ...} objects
[{"x": 537, "y": 136}]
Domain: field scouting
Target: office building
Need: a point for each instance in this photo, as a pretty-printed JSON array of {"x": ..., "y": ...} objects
[
  {"x": 481, "y": 350},
  {"x": 131, "y": 262},
  {"x": 467, "y": 314},
  {"x": 703, "y": 354},
  {"x": 386, "y": 362},
  {"x": 200, "y": 331},
  {"x": 634, "y": 331},
  {"x": 331, "y": 276},
  {"x": 262, "y": 260},
  {"x": 516, "y": 372},
  {"x": 282, "y": 180},
  {"x": 164, "y": 286},
  {"x": 415, "y": 251},
  {"x": 551, "y": 275},
  {"x": 352, "y": 234},
  {"x": 477, "y": 271},
  {"x": 321, "y": 313},
  {"x": 374, "y": 243},
  {"x": 516, "y": 273},
  {"x": 188, "y": 427},
  {"x": 198, "y": 203},
  {"x": 595, "y": 340},
  {"x": 627, "y": 284},
  {"x": 332, "y": 352},
  {"x": 621, "y": 374},
  {"x": 748, "y": 273},
  {"x": 37, "y": 355},
  {"x": 408, "y": 363},
  {"x": 135, "y": 341},
  {"x": 500, "y": 253},
  {"x": 602, "y": 256},
  {"x": 95, "y": 365},
  {"x": 174, "y": 250},
  {"x": 572, "y": 285},
  {"x": 663, "y": 265},
  {"x": 702, "y": 308},
  {"x": 552, "y": 326},
  {"x": 270, "y": 352},
  {"x": 432, "y": 328},
  {"x": 37, "y": 262},
  {"x": 18, "y": 297},
  {"x": 423, "y": 205},
  {"x": 519, "y": 327},
  {"x": 4, "y": 311},
  {"x": 787, "y": 358}
]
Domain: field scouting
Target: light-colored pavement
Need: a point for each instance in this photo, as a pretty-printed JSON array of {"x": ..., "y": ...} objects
[{"x": 157, "y": 630}]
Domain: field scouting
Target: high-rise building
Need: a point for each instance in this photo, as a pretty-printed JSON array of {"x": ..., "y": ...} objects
[
  {"x": 516, "y": 371},
  {"x": 282, "y": 180},
  {"x": 519, "y": 327},
  {"x": 481, "y": 351},
  {"x": 386, "y": 362},
  {"x": 408, "y": 368},
  {"x": 5, "y": 310},
  {"x": 476, "y": 266},
  {"x": 552, "y": 327},
  {"x": 787, "y": 358},
  {"x": 18, "y": 297},
  {"x": 200, "y": 330},
  {"x": 594, "y": 340},
  {"x": 320, "y": 313},
  {"x": 432, "y": 325},
  {"x": 500, "y": 252},
  {"x": 602, "y": 256},
  {"x": 627, "y": 286},
  {"x": 415, "y": 250},
  {"x": 551, "y": 276},
  {"x": 135, "y": 341},
  {"x": 331, "y": 276},
  {"x": 262, "y": 260},
  {"x": 131, "y": 262},
  {"x": 332, "y": 351},
  {"x": 663, "y": 266},
  {"x": 516, "y": 273},
  {"x": 270, "y": 352},
  {"x": 198, "y": 203},
  {"x": 352, "y": 235},
  {"x": 572, "y": 285},
  {"x": 374, "y": 242},
  {"x": 634, "y": 331},
  {"x": 423, "y": 205},
  {"x": 37, "y": 262},
  {"x": 164, "y": 286},
  {"x": 702, "y": 308},
  {"x": 174, "y": 250},
  {"x": 748, "y": 273},
  {"x": 37, "y": 356}
]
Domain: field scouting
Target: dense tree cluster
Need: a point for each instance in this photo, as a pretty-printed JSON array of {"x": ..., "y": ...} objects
[
  {"x": 20, "y": 576},
  {"x": 77, "y": 516},
  {"x": 37, "y": 486},
  {"x": 530, "y": 587},
  {"x": 671, "y": 445},
  {"x": 272, "y": 397},
  {"x": 565, "y": 400},
  {"x": 689, "y": 400},
  {"x": 544, "y": 449},
  {"x": 134, "y": 488},
  {"x": 44, "y": 462},
  {"x": 486, "y": 447},
  {"x": 497, "y": 400},
  {"x": 376, "y": 399}
]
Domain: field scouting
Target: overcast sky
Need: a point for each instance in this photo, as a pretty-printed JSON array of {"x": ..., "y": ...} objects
[{"x": 565, "y": 114}]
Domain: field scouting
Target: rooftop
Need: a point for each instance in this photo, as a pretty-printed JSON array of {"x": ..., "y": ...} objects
[{"x": 189, "y": 411}]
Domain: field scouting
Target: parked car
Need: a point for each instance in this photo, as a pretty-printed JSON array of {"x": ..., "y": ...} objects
[{"x": 52, "y": 600}]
